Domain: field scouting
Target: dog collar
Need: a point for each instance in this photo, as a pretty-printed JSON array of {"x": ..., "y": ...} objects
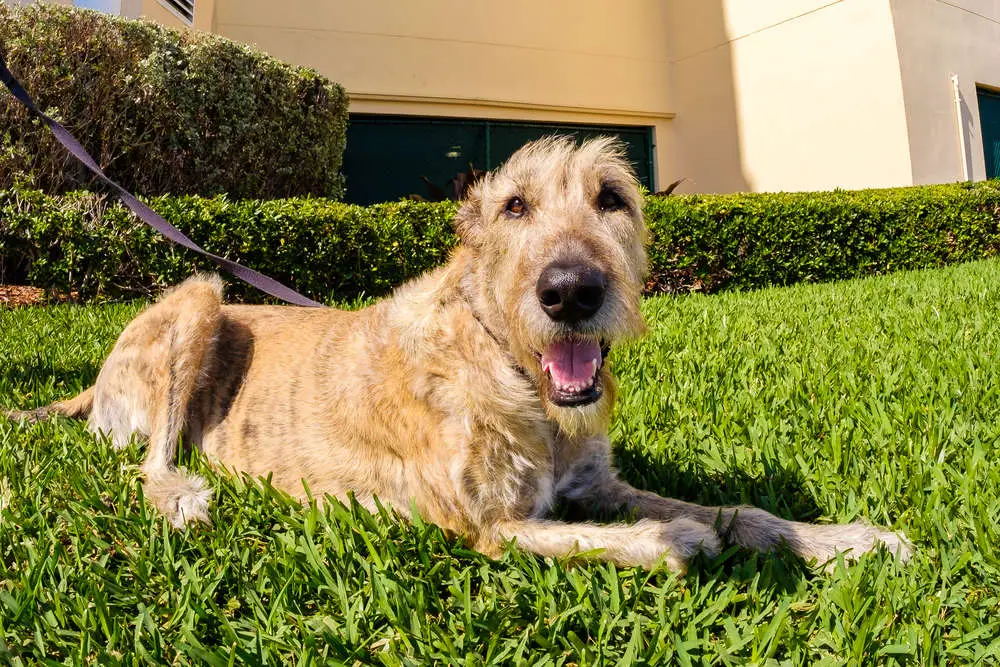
[{"x": 517, "y": 367}]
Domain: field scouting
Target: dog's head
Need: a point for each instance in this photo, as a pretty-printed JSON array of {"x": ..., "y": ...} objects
[{"x": 558, "y": 245}]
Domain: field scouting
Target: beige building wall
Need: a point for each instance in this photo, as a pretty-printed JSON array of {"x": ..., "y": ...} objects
[
  {"x": 751, "y": 95},
  {"x": 589, "y": 61},
  {"x": 937, "y": 40},
  {"x": 705, "y": 138},
  {"x": 788, "y": 95}
]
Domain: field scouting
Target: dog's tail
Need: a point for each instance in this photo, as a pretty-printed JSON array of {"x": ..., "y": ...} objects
[{"x": 78, "y": 407}]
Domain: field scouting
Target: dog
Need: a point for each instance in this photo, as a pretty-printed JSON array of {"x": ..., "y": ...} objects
[{"x": 478, "y": 394}]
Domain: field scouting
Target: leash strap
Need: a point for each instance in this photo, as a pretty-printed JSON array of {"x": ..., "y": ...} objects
[{"x": 146, "y": 214}]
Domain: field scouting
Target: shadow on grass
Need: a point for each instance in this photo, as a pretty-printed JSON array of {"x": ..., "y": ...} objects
[
  {"x": 38, "y": 378},
  {"x": 778, "y": 490}
]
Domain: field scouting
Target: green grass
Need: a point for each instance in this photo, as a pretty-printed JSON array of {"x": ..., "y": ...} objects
[{"x": 875, "y": 399}]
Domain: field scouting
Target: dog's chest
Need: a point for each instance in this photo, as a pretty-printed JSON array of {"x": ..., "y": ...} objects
[{"x": 510, "y": 452}]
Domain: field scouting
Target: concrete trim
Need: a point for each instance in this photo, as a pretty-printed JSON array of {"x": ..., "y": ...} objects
[{"x": 508, "y": 105}]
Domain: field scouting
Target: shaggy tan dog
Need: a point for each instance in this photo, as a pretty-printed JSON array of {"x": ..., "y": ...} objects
[{"x": 478, "y": 393}]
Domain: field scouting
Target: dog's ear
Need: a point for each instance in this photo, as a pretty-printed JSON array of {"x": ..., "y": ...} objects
[{"x": 469, "y": 219}]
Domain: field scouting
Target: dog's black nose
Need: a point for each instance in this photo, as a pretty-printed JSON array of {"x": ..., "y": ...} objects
[{"x": 571, "y": 293}]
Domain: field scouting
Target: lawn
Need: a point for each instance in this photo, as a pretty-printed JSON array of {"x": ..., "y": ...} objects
[{"x": 875, "y": 399}]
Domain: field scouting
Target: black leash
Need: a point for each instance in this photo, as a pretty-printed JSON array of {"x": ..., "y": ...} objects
[{"x": 146, "y": 214}]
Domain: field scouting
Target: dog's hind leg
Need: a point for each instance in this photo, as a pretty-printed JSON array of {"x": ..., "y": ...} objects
[
  {"x": 194, "y": 318},
  {"x": 147, "y": 383}
]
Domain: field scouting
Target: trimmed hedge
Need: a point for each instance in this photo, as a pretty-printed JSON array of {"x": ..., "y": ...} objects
[
  {"x": 165, "y": 111},
  {"x": 332, "y": 250},
  {"x": 326, "y": 249},
  {"x": 747, "y": 241}
]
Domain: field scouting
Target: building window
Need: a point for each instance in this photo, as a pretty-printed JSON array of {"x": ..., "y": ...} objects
[
  {"x": 391, "y": 157},
  {"x": 183, "y": 8},
  {"x": 989, "y": 121}
]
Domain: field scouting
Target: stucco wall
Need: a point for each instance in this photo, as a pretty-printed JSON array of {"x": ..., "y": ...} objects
[
  {"x": 592, "y": 61},
  {"x": 936, "y": 40},
  {"x": 743, "y": 94},
  {"x": 788, "y": 95},
  {"x": 594, "y": 54},
  {"x": 706, "y": 130}
]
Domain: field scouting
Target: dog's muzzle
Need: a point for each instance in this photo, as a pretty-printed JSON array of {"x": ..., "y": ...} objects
[{"x": 571, "y": 293}]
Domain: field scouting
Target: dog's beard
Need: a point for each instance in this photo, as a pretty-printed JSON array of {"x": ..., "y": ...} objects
[
  {"x": 576, "y": 418},
  {"x": 562, "y": 359},
  {"x": 583, "y": 419}
]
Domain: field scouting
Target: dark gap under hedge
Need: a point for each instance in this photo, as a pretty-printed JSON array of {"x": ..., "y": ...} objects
[{"x": 80, "y": 242}]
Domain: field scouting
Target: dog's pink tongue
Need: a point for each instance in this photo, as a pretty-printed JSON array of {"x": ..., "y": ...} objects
[{"x": 572, "y": 363}]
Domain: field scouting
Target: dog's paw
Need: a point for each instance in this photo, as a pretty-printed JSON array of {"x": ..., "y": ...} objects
[
  {"x": 895, "y": 543},
  {"x": 853, "y": 540},
  {"x": 674, "y": 543},
  {"x": 192, "y": 504}
]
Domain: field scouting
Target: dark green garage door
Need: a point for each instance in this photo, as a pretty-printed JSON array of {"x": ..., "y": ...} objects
[
  {"x": 989, "y": 119},
  {"x": 387, "y": 157}
]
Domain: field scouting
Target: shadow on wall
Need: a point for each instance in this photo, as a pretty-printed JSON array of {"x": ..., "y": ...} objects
[{"x": 706, "y": 131}]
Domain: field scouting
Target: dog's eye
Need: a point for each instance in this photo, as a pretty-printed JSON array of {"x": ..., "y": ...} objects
[
  {"x": 609, "y": 200},
  {"x": 515, "y": 207}
]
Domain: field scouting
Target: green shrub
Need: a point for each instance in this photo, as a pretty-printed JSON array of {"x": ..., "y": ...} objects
[
  {"x": 165, "y": 111},
  {"x": 746, "y": 241},
  {"x": 326, "y": 249}
]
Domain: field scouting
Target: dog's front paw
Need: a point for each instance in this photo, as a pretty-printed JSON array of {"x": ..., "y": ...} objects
[
  {"x": 674, "y": 543},
  {"x": 895, "y": 543},
  {"x": 854, "y": 540}
]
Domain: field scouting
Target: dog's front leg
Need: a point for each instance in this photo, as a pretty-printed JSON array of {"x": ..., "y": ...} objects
[
  {"x": 758, "y": 529},
  {"x": 642, "y": 544},
  {"x": 593, "y": 485}
]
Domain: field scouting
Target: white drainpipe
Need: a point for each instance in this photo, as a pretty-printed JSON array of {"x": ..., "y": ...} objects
[{"x": 962, "y": 139}]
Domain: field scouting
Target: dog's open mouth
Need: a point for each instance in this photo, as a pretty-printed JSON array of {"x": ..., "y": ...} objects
[{"x": 572, "y": 366}]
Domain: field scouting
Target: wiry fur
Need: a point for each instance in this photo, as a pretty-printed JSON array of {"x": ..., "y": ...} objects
[{"x": 436, "y": 396}]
